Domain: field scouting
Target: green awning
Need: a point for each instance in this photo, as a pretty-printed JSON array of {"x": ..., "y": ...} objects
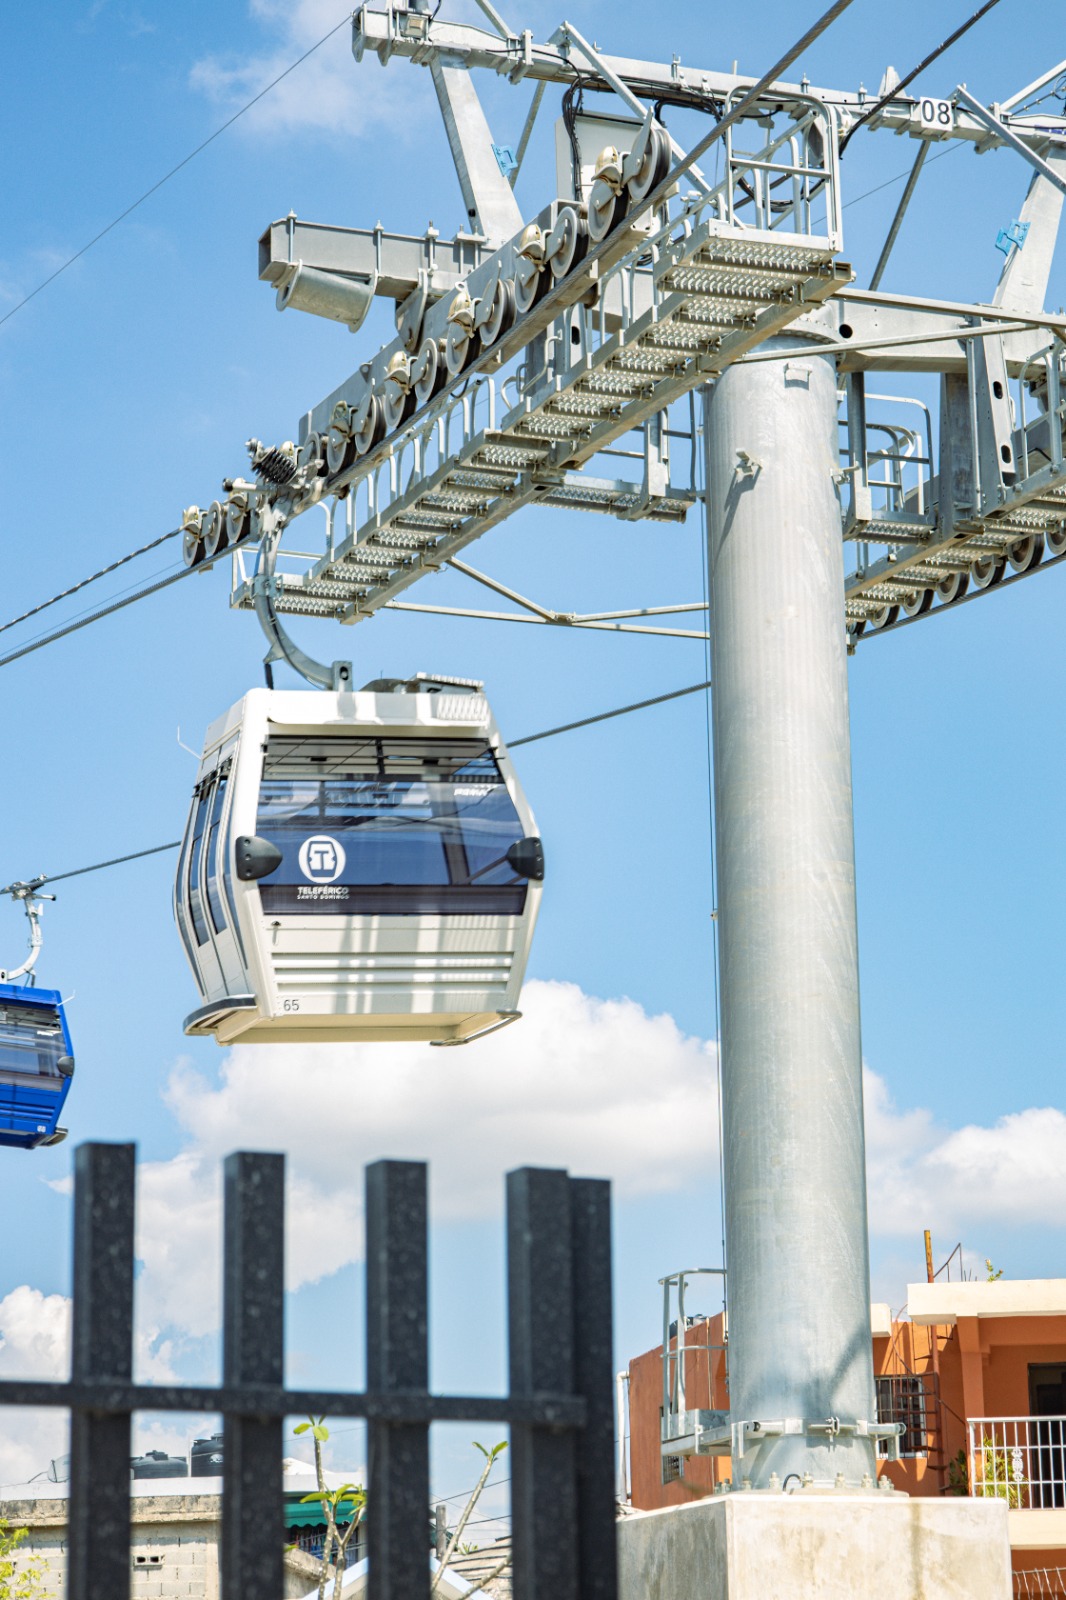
[{"x": 312, "y": 1515}]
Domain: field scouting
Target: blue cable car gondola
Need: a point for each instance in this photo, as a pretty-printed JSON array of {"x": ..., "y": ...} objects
[{"x": 36, "y": 1066}]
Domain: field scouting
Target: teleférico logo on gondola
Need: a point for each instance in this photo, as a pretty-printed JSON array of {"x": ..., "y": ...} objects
[{"x": 321, "y": 858}]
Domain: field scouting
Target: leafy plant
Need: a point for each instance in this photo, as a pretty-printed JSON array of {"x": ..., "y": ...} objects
[
  {"x": 346, "y": 1504},
  {"x": 993, "y": 1272},
  {"x": 18, "y": 1582},
  {"x": 455, "y": 1545},
  {"x": 959, "y": 1474},
  {"x": 999, "y": 1480}
]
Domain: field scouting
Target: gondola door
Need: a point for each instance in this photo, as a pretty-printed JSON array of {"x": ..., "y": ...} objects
[
  {"x": 192, "y": 889},
  {"x": 204, "y": 895}
]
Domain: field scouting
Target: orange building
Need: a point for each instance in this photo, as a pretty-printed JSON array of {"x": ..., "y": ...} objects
[{"x": 976, "y": 1373}]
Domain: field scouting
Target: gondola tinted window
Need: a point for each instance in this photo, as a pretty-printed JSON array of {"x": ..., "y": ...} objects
[
  {"x": 214, "y": 889},
  {"x": 387, "y": 826},
  {"x": 31, "y": 1041},
  {"x": 196, "y": 903}
]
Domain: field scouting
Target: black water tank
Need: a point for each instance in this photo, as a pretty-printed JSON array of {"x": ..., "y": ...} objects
[
  {"x": 157, "y": 1464},
  {"x": 206, "y": 1457}
]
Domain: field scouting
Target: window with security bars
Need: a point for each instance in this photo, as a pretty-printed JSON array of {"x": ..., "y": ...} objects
[
  {"x": 673, "y": 1467},
  {"x": 908, "y": 1398}
]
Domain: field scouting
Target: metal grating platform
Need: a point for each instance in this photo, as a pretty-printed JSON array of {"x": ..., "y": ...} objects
[
  {"x": 1023, "y": 530},
  {"x": 707, "y": 294}
]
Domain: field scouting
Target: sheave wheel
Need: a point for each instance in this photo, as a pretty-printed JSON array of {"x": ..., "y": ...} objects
[
  {"x": 501, "y": 317},
  {"x": 459, "y": 348},
  {"x": 429, "y": 372},
  {"x": 192, "y": 547},
  {"x": 606, "y": 210},
  {"x": 918, "y": 603},
  {"x": 653, "y": 168},
  {"x": 1025, "y": 553},
  {"x": 883, "y": 617},
  {"x": 215, "y": 533},
  {"x": 237, "y": 519},
  {"x": 340, "y": 449},
  {"x": 987, "y": 571},
  {"x": 953, "y": 587},
  {"x": 571, "y": 234},
  {"x": 530, "y": 285},
  {"x": 368, "y": 424}
]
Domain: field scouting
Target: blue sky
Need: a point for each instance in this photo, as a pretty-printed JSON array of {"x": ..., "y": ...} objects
[{"x": 129, "y": 386}]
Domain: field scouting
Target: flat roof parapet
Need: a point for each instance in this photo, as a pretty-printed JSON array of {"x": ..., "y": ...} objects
[{"x": 944, "y": 1303}]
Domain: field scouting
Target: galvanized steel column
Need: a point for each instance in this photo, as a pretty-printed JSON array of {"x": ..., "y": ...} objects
[{"x": 795, "y": 1190}]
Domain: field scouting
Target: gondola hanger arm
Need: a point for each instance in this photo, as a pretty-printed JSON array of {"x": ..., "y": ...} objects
[
  {"x": 32, "y": 903},
  {"x": 338, "y": 675}
]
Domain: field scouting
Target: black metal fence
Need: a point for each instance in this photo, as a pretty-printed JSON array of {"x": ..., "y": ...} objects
[{"x": 560, "y": 1407}]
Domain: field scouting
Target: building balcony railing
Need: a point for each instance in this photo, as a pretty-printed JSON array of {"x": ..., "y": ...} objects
[
  {"x": 1040, "y": 1583},
  {"x": 1019, "y": 1459}
]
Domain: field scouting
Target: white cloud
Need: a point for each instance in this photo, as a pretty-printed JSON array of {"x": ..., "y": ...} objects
[
  {"x": 34, "y": 1334},
  {"x": 34, "y": 1343},
  {"x": 596, "y": 1086},
  {"x": 329, "y": 91},
  {"x": 1011, "y": 1172}
]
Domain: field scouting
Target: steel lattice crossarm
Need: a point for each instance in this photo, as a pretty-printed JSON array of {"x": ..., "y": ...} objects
[
  {"x": 516, "y": 367},
  {"x": 991, "y": 500},
  {"x": 702, "y": 300},
  {"x": 529, "y": 353}
]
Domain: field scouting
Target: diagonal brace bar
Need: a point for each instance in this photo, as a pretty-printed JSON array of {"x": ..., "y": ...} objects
[
  {"x": 501, "y": 588},
  {"x": 1009, "y": 137},
  {"x": 901, "y": 212}
]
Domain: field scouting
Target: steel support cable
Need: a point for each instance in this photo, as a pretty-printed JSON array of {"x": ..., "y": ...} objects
[
  {"x": 530, "y": 738},
  {"x": 951, "y": 150},
  {"x": 52, "y": 276},
  {"x": 109, "y": 609},
  {"x": 894, "y": 92},
  {"x": 605, "y": 716},
  {"x": 64, "y": 594},
  {"x": 98, "y": 866}
]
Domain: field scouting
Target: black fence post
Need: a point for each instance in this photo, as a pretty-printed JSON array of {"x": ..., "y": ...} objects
[
  {"x": 560, "y": 1406},
  {"x": 590, "y": 1222},
  {"x": 397, "y": 1358},
  {"x": 253, "y": 1353},
  {"x": 102, "y": 1348},
  {"x": 540, "y": 1319}
]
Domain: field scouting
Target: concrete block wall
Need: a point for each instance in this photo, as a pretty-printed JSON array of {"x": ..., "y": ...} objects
[{"x": 174, "y": 1542}]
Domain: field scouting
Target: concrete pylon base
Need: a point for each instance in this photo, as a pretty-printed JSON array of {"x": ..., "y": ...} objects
[{"x": 810, "y": 1546}]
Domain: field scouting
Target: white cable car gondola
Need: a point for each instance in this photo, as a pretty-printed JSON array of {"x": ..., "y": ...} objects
[{"x": 357, "y": 866}]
